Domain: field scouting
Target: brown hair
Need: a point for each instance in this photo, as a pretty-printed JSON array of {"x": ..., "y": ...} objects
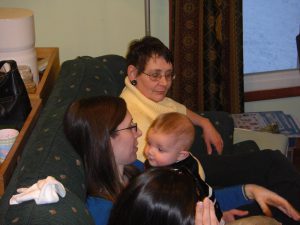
[
  {"x": 175, "y": 124},
  {"x": 89, "y": 124}
]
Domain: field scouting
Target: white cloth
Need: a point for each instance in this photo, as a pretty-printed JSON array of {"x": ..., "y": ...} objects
[{"x": 43, "y": 192}]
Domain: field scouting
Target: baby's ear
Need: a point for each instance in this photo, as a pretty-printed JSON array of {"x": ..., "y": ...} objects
[{"x": 182, "y": 155}]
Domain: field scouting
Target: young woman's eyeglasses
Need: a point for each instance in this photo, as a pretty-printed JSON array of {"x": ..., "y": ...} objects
[
  {"x": 131, "y": 127},
  {"x": 156, "y": 76}
]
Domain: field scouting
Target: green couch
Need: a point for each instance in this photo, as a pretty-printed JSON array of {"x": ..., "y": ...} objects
[{"x": 47, "y": 152}]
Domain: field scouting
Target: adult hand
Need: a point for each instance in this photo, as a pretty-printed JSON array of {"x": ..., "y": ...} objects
[
  {"x": 212, "y": 137},
  {"x": 210, "y": 134},
  {"x": 205, "y": 213},
  {"x": 229, "y": 216},
  {"x": 266, "y": 198}
]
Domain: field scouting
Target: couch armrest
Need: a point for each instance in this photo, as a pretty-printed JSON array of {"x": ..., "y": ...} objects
[{"x": 264, "y": 140}]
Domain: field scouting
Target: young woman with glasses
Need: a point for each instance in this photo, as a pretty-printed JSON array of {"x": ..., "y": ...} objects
[{"x": 102, "y": 132}]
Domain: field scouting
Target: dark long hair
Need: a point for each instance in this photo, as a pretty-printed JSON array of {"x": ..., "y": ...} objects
[
  {"x": 160, "y": 196},
  {"x": 88, "y": 124},
  {"x": 140, "y": 51}
]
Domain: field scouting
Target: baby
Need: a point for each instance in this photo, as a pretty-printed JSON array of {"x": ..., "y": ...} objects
[{"x": 168, "y": 141}]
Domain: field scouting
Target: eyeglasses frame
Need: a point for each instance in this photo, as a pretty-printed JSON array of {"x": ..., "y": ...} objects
[
  {"x": 133, "y": 125},
  {"x": 159, "y": 77}
]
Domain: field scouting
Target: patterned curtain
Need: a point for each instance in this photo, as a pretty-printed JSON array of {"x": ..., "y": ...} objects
[{"x": 206, "y": 39}]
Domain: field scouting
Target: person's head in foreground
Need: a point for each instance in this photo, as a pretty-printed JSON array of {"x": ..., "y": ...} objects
[
  {"x": 160, "y": 196},
  {"x": 102, "y": 132},
  {"x": 150, "y": 67},
  {"x": 169, "y": 139}
]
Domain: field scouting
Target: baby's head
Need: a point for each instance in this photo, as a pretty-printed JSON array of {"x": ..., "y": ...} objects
[{"x": 169, "y": 139}]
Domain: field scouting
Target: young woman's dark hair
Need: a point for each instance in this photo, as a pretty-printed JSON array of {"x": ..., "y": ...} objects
[
  {"x": 88, "y": 125},
  {"x": 140, "y": 51},
  {"x": 160, "y": 196}
]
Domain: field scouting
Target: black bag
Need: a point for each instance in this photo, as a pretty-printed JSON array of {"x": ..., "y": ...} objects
[{"x": 14, "y": 101}]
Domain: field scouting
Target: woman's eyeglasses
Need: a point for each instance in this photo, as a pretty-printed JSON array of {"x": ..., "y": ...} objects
[
  {"x": 132, "y": 126},
  {"x": 157, "y": 76}
]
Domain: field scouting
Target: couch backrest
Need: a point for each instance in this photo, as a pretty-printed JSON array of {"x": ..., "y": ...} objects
[{"x": 48, "y": 153}]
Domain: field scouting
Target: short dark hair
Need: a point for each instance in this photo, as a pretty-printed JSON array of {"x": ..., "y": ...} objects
[
  {"x": 160, "y": 196},
  {"x": 141, "y": 50},
  {"x": 88, "y": 125}
]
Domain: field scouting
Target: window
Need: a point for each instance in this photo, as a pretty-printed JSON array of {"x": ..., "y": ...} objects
[{"x": 270, "y": 28}]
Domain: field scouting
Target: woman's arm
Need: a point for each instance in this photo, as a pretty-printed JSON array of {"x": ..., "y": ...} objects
[
  {"x": 231, "y": 197},
  {"x": 266, "y": 198},
  {"x": 210, "y": 134}
]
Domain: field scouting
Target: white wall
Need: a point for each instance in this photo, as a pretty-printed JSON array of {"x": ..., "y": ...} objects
[{"x": 93, "y": 27}]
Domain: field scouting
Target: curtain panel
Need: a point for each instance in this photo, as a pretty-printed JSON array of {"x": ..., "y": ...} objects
[{"x": 207, "y": 42}]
